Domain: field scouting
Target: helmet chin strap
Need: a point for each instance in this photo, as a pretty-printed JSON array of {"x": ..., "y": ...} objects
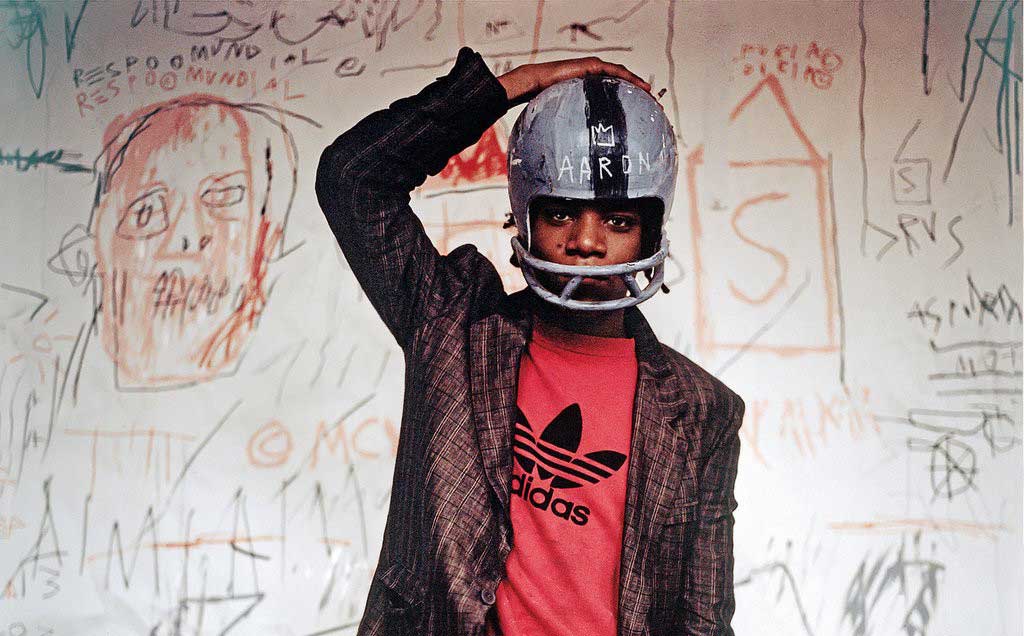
[{"x": 626, "y": 271}]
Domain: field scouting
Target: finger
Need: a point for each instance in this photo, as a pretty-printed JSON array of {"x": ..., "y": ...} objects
[
  {"x": 597, "y": 66},
  {"x": 554, "y": 72},
  {"x": 620, "y": 71}
]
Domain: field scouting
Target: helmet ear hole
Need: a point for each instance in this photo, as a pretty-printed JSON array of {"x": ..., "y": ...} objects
[{"x": 651, "y": 218}]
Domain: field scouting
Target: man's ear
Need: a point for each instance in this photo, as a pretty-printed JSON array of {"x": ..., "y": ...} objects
[
  {"x": 651, "y": 212},
  {"x": 75, "y": 256}
]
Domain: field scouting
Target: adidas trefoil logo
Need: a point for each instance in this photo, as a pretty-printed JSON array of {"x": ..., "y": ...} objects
[{"x": 553, "y": 456}]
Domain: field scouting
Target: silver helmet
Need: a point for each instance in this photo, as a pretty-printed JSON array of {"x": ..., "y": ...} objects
[{"x": 592, "y": 138}]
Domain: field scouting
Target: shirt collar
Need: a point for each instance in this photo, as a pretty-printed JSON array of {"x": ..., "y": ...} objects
[{"x": 518, "y": 309}]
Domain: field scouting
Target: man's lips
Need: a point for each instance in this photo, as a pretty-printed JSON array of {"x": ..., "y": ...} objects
[
  {"x": 592, "y": 287},
  {"x": 592, "y": 280}
]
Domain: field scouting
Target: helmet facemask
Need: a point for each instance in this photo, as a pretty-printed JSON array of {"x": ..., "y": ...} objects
[
  {"x": 653, "y": 251},
  {"x": 593, "y": 139}
]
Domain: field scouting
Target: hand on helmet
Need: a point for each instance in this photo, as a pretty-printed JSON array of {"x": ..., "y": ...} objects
[{"x": 523, "y": 82}]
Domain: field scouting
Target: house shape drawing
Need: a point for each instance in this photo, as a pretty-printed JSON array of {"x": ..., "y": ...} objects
[{"x": 790, "y": 148}]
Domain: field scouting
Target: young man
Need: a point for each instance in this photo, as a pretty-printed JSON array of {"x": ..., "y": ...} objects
[{"x": 559, "y": 470}]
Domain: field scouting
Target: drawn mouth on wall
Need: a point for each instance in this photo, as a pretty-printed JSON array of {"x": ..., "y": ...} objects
[
  {"x": 196, "y": 295},
  {"x": 172, "y": 294}
]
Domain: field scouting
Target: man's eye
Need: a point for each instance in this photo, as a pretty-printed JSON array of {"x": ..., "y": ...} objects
[
  {"x": 559, "y": 215},
  {"x": 146, "y": 216},
  {"x": 622, "y": 221}
]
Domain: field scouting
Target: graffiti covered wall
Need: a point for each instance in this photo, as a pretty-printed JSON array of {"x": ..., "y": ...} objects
[{"x": 199, "y": 409}]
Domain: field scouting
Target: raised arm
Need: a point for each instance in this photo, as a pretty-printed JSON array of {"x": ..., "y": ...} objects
[{"x": 364, "y": 179}]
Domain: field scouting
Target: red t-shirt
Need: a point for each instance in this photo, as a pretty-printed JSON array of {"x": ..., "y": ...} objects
[{"x": 571, "y": 450}]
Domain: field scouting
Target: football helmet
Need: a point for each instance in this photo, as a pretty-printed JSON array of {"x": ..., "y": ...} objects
[{"x": 592, "y": 138}]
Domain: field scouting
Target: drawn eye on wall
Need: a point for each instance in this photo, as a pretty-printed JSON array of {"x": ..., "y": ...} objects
[
  {"x": 223, "y": 194},
  {"x": 145, "y": 217}
]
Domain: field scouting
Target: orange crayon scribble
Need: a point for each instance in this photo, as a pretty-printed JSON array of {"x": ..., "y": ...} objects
[
  {"x": 460, "y": 22},
  {"x": 150, "y": 434},
  {"x": 488, "y": 234},
  {"x": 773, "y": 85},
  {"x": 809, "y": 423},
  {"x": 778, "y": 256},
  {"x": 147, "y": 432},
  {"x": 192, "y": 197},
  {"x": 818, "y": 166},
  {"x": 8, "y": 525},
  {"x": 794, "y": 421},
  {"x": 214, "y": 540},
  {"x": 389, "y": 429},
  {"x": 782, "y": 351},
  {"x": 492, "y": 228},
  {"x": 896, "y": 526},
  {"x": 751, "y": 429},
  {"x": 270, "y": 445},
  {"x": 775, "y": 163},
  {"x": 538, "y": 20},
  {"x": 351, "y": 443},
  {"x": 332, "y": 437},
  {"x": 223, "y": 346},
  {"x": 694, "y": 160},
  {"x": 816, "y": 66},
  {"x": 42, "y": 344}
]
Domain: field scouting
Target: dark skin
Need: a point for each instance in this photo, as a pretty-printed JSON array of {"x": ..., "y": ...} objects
[
  {"x": 586, "y": 233},
  {"x": 580, "y": 232}
]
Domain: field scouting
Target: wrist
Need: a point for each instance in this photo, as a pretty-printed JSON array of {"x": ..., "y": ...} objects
[{"x": 516, "y": 83}]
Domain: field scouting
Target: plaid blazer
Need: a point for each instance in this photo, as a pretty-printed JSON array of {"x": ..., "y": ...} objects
[{"x": 448, "y": 530}]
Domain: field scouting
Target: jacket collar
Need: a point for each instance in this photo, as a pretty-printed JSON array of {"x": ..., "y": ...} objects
[{"x": 659, "y": 476}]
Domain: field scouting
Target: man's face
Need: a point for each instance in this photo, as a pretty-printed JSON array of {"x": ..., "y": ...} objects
[
  {"x": 176, "y": 234},
  {"x": 586, "y": 233}
]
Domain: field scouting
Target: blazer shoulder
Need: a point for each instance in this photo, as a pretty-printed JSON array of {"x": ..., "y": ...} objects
[{"x": 714, "y": 395}]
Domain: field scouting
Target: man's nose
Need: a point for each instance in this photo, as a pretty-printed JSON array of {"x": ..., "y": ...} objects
[{"x": 587, "y": 237}]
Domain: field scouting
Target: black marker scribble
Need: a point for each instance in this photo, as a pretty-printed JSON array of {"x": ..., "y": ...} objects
[
  {"x": 36, "y": 554},
  {"x": 576, "y": 29},
  {"x": 915, "y": 580},
  {"x": 376, "y": 20}
]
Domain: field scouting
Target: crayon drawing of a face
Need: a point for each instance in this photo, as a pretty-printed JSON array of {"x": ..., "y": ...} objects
[{"x": 184, "y": 226}]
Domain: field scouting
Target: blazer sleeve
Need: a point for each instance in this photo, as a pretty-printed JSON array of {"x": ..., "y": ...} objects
[
  {"x": 364, "y": 179},
  {"x": 710, "y": 602}
]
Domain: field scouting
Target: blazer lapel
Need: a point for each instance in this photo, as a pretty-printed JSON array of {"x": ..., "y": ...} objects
[
  {"x": 496, "y": 344},
  {"x": 659, "y": 475}
]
